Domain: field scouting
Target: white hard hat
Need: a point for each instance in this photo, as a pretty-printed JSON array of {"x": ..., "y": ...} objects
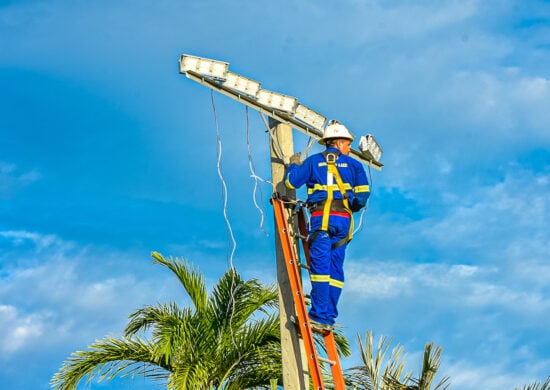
[{"x": 335, "y": 129}]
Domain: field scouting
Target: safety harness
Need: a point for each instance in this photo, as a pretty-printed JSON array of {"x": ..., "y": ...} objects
[{"x": 330, "y": 202}]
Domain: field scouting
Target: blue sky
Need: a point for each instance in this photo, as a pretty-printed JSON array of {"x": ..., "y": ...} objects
[{"x": 107, "y": 154}]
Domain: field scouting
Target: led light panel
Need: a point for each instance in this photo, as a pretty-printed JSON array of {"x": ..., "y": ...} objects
[
  {"x": 276, "y": 101},
  {"x": 241, "y": 84},
  {"x": 203, "y": 66},
  {"x": 310, "y": 117}
]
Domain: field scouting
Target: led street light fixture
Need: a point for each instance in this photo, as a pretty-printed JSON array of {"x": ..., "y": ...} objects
[
  {"x": 370, "y": 148},
  {"x": 203, "y": 66},
  {"x": 310, "y": 117},
  {"x": 276, "y": 101},
  {"x": 241, "y": 84}
]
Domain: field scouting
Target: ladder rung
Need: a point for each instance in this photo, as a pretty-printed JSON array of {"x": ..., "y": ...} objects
[
  {"x": 331, "y": 362},
  {"x": 304, "y": 266}
]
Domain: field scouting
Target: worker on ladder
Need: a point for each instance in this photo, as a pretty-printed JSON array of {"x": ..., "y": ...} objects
[{"x": 337, "y": 186}]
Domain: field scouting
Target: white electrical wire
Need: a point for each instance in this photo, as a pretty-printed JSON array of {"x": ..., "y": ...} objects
[
  {"x": 231, "y": 239},
  {"x": 274, "y": 141},
  {"x": 228, "y": 224},
  {"x": 310, "y": 143},
  {"x": 254, "y": 176},
  {"x": 360, "y": 225},
  {"x": 259, "y": 178}
]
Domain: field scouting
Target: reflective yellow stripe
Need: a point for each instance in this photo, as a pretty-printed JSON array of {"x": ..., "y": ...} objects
[
  {"x": 321, "y": 187},
  {"x": 289, "y": 184},
  {"x": 364, "y": 188},
  {"x": 320, "y": 278},
  {"x": 336, "y": 283}
]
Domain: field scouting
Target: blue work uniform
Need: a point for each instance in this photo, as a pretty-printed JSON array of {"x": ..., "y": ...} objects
[{"x": 330, "y": 225}]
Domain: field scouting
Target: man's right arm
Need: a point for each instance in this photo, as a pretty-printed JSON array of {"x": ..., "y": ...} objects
[{"x": 297, "y": 175}]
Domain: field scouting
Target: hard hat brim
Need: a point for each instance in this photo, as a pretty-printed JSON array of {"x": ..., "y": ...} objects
[{"x": 322, "y": 141}]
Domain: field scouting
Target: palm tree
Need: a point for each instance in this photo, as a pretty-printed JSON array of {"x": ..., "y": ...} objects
[
  {"x": 538, "y": 385},
  {"x": 379, "y": 373},
  {"x": 370, "y": 375},
  {"x": 227, "y": 340}
]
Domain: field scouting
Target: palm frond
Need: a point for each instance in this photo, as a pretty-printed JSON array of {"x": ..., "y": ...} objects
[
  {"x": 108, "y": 358},
  {"x": 377, "y": 366},
  {"x": 430, "y": 365},
  {"x": 191, "y": 278},
  {"x": 537, "y": 385},
  {"x": 233, "y": 301},
  {"x": 151, "y": 316}
]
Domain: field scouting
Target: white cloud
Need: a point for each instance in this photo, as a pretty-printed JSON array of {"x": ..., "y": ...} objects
[
  {"x": 476, "y": 313},
  {"x": 72, "y": 294},
  {"x": 39, "y": 241},
  {"x": 510, "y": 216},
  {"x": 375, "y": 282},
  {"x": 466, "y": 375},
  {"x": 460, "y": 286},
  {"x": 506, "y": 103},
  {"x": 18, "y": 331},
  {"x": 12, "y": 180}
]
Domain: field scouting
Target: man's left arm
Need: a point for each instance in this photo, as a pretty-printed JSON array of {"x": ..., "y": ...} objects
[{"x": 361, "y": 189}]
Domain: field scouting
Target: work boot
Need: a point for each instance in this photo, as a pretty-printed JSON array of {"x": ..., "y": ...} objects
[{"x": 319, "y": 327}]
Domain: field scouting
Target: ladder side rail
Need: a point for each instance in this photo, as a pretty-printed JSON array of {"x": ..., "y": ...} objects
[
  {"x": 335, "y": 367},
  {"x": 296, "y": 285}
]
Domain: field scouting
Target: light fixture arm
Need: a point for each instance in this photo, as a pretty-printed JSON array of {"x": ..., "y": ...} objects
[{"x": 280, "y": 116}]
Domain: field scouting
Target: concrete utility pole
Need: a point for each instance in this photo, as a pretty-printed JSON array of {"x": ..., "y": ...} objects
[{"x": 295, "y": 375}]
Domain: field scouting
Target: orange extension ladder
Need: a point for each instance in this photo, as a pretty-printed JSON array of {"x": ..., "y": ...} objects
[{"x": 293, "y": 265}]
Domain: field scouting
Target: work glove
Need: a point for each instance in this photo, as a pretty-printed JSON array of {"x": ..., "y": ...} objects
[
  {"x": 295, "y": 158},
  {"x": 355, "y": 205}
]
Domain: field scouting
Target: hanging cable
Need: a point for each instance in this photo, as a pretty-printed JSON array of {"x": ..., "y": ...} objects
[
  {"x": 256, "y": 177},
  {"x": 231, "y": 238},
  {"x": 274, "y": 141},
  {"x": 360, "y": 225},
  {"x": 310, "y": 143},
  {"x": 231, "y": 243}
]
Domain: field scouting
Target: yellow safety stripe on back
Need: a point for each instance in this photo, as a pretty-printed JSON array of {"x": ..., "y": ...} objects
[
  {"x": 364, "y": 188},
  {"x": 321, "y": 187},
  {"x": 319, "y": 278},
  {"x": 336, "y": 283}
]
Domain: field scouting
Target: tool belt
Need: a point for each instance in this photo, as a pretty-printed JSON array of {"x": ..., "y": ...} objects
[{"x": 335, "y": 205}]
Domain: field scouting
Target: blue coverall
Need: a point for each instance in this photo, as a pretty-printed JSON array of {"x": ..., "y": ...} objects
[{"x": 327, "y": 246}]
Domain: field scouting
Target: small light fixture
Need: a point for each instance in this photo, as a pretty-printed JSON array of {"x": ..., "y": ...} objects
[
  {"x": 276, "y": 101},
  {"x": 203, "y": 66},
  {"x": 310, "y": 117},
  {"x": 241, "y": 84},
  {"x": 370, "y": 148}
]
